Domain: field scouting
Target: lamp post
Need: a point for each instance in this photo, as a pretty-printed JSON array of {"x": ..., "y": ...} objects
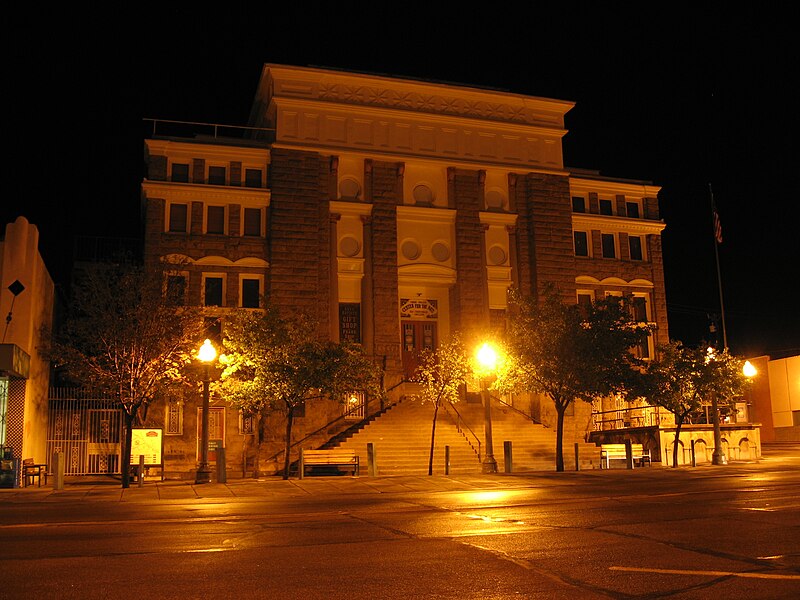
[
  {"x": 487, "y": 361},
  {"x": 206, "y": 354},
  {"x": 718, "y": 456}
]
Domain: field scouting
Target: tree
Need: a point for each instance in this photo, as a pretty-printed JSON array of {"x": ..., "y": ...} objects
[
  {"x": 272, "y": 363},
  {"x": 681, "y": 378},
  {"x": 567, "y": 353},
  {"x": 123, "y": 336},
  {"x": 441, "y": 372}
]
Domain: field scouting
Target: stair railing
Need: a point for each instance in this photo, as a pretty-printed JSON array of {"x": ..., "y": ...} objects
[
  {"x": 354, "y": 426},
  {"x": 463, "y": 428},
  {"x": 515, "y": 409}
]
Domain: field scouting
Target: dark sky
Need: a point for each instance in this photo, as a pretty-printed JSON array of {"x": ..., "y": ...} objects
[{"x": 684, "y": 99}]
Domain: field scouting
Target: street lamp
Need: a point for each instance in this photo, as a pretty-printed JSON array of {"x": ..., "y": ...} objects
[
  {"x": 487, "y": 362},
  {"x": 206, "y": 354}
]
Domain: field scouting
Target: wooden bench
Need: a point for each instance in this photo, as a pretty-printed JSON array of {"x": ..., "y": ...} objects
[
  {"x": 32, "y": 471},
  {"x": 609, "y": 452},
  {"x": 331, "y": 457}
]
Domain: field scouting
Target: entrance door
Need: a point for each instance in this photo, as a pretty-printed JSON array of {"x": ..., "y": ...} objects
[{"x": 417, "y": 336}]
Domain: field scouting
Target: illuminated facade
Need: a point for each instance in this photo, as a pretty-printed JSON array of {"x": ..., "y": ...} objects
[
  {"x": 397, "y": 212},
  {"x": 27, "y": 301}
]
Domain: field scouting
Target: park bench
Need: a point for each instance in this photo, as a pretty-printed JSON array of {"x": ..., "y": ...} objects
[
  {"x": 609, "y": 452},
  {"x": 330, "y": 457},
  {"x": 32, "y": 471}
]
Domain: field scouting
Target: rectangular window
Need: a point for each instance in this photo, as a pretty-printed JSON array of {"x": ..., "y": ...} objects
[
  {"x": 578, "y": 204},
  {"x": 177, "y": 218},
  {"x": 247, "y": 423},
  {"x": 216, "y": 175},
  {"x": 215, "y": 220},
  {"x": 252, "y": 178},
  {"x": 212, "y": 291},
  {"x": 585, "y": 300},
  {"x": 641, "y": 315},
  {"x": 216, "y": 431},
  {"x": 632, "y": 208},
  {"x": 635, "y": 246},
  {"x": 581, "y": 243},
  {"x": 180, "y": 172},
  {"x": 609, "y": 245},
  {"x": 640, "y": 309},
  {"x": 176, "y": 290},
  {"x": 606, "y": 207},
  {"x": 252, "y": 221},
  {"x": 251, "y": 293},
  {"x": 174, "y": 418}
]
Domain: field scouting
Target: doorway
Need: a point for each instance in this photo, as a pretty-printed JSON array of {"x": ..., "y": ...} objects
[{"x": 417, "y": 336}]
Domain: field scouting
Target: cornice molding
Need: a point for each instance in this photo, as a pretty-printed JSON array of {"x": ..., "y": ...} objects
[
  {"x": 186, "y": 192},
  {"x": 583, "y": 221},
  {"x": 355, "y": 89}
]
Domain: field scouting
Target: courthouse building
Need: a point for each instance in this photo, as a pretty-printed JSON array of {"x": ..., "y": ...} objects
[{"x": 396, "y": 212}]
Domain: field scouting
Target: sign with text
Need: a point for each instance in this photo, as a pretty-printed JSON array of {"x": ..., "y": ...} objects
[
  {"x": 350, "y": 322},
  {"x": 147, "y": 443}
]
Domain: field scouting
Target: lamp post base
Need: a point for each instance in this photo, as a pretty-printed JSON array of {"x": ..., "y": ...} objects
[
  {"x": 203, "y": 475},
  {"x": 489, "y": 465}
]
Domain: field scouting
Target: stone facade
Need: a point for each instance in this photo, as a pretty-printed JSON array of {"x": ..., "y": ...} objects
[{"x": 409, "y": 207}]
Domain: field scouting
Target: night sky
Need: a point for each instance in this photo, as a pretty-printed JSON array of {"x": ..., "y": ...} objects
[{"x": 686, "y": 101}]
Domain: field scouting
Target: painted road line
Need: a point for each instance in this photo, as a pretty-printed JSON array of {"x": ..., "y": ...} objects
[{"x": 708, "y": 573}]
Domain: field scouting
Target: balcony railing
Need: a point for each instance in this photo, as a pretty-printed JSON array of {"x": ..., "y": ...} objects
[{"x": 164, "y": 128}]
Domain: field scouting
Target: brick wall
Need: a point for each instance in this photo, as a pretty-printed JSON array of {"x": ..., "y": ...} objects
[
  {"x": 468, "y": 297},
  {"x": 545, "y": 247},
  {"x": 386, "y": 194}
]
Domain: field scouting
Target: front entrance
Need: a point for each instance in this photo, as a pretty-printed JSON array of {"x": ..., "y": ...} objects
[{"x": 417, "y": 336}]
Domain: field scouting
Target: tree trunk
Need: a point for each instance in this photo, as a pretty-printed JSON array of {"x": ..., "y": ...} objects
[
  {"x": 125, "y": 462},
  {"x": 675, "y": 444},
  {"x": 433, "y": 437},
  {"x": 286, "y": 458},
  {"x": 560, "y": 410},
  {"x": 259, "y": 439}
]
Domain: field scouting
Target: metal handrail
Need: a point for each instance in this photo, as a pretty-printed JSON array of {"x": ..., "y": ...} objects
[
  {"x": 341, "y": 417},
  {"x": 215, "y": 127},
  {"x": 515, "y": 409},
  {"x": 458, "y": 424}
]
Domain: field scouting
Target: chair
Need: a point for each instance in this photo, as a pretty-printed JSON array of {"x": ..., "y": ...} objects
[{"x": 31, "y": 471}]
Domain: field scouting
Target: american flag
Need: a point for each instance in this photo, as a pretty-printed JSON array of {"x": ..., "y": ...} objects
[{"x": 717, "y": 227}]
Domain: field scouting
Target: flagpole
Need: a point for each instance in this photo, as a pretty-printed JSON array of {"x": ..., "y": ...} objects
[
  {"x": 718, "y": 455},
  {"x": 717, "y": 240}
]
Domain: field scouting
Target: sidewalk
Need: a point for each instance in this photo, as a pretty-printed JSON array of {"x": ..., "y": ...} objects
[{"x": 98, "y": 488}]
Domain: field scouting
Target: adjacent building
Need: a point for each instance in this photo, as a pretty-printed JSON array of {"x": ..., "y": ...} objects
[{"x": 27, "y": 300}]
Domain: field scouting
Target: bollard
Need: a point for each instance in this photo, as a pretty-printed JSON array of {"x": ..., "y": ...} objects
[
  {"x": 507, "y": 457},
  {"x": 577, "y": 457},
  {"x": 222, "y": 474},
  {"x": 372, "y": 467},
  {"x": 628, "y": 454},
  {"x": 694, "y": 456},
  {"x": 447, "y": 460},
  {"x": 58, "y": 470},
  {"x": 141, "y": 470},
  {"x": 301, "y": 467}
]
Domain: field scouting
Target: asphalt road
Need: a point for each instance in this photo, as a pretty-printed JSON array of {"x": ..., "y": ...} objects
[{"x": 709, "y": 532}]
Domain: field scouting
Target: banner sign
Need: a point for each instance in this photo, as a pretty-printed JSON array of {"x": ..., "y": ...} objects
[{"x": 418, "y": 308}]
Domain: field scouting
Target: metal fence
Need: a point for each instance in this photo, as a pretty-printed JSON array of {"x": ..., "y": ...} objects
[{"x": 87, "y": 428}]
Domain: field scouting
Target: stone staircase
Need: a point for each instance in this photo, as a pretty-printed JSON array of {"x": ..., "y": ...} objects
[
  {"x": 533, "y": 446},
  {"x": 401, "y": 440}
]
